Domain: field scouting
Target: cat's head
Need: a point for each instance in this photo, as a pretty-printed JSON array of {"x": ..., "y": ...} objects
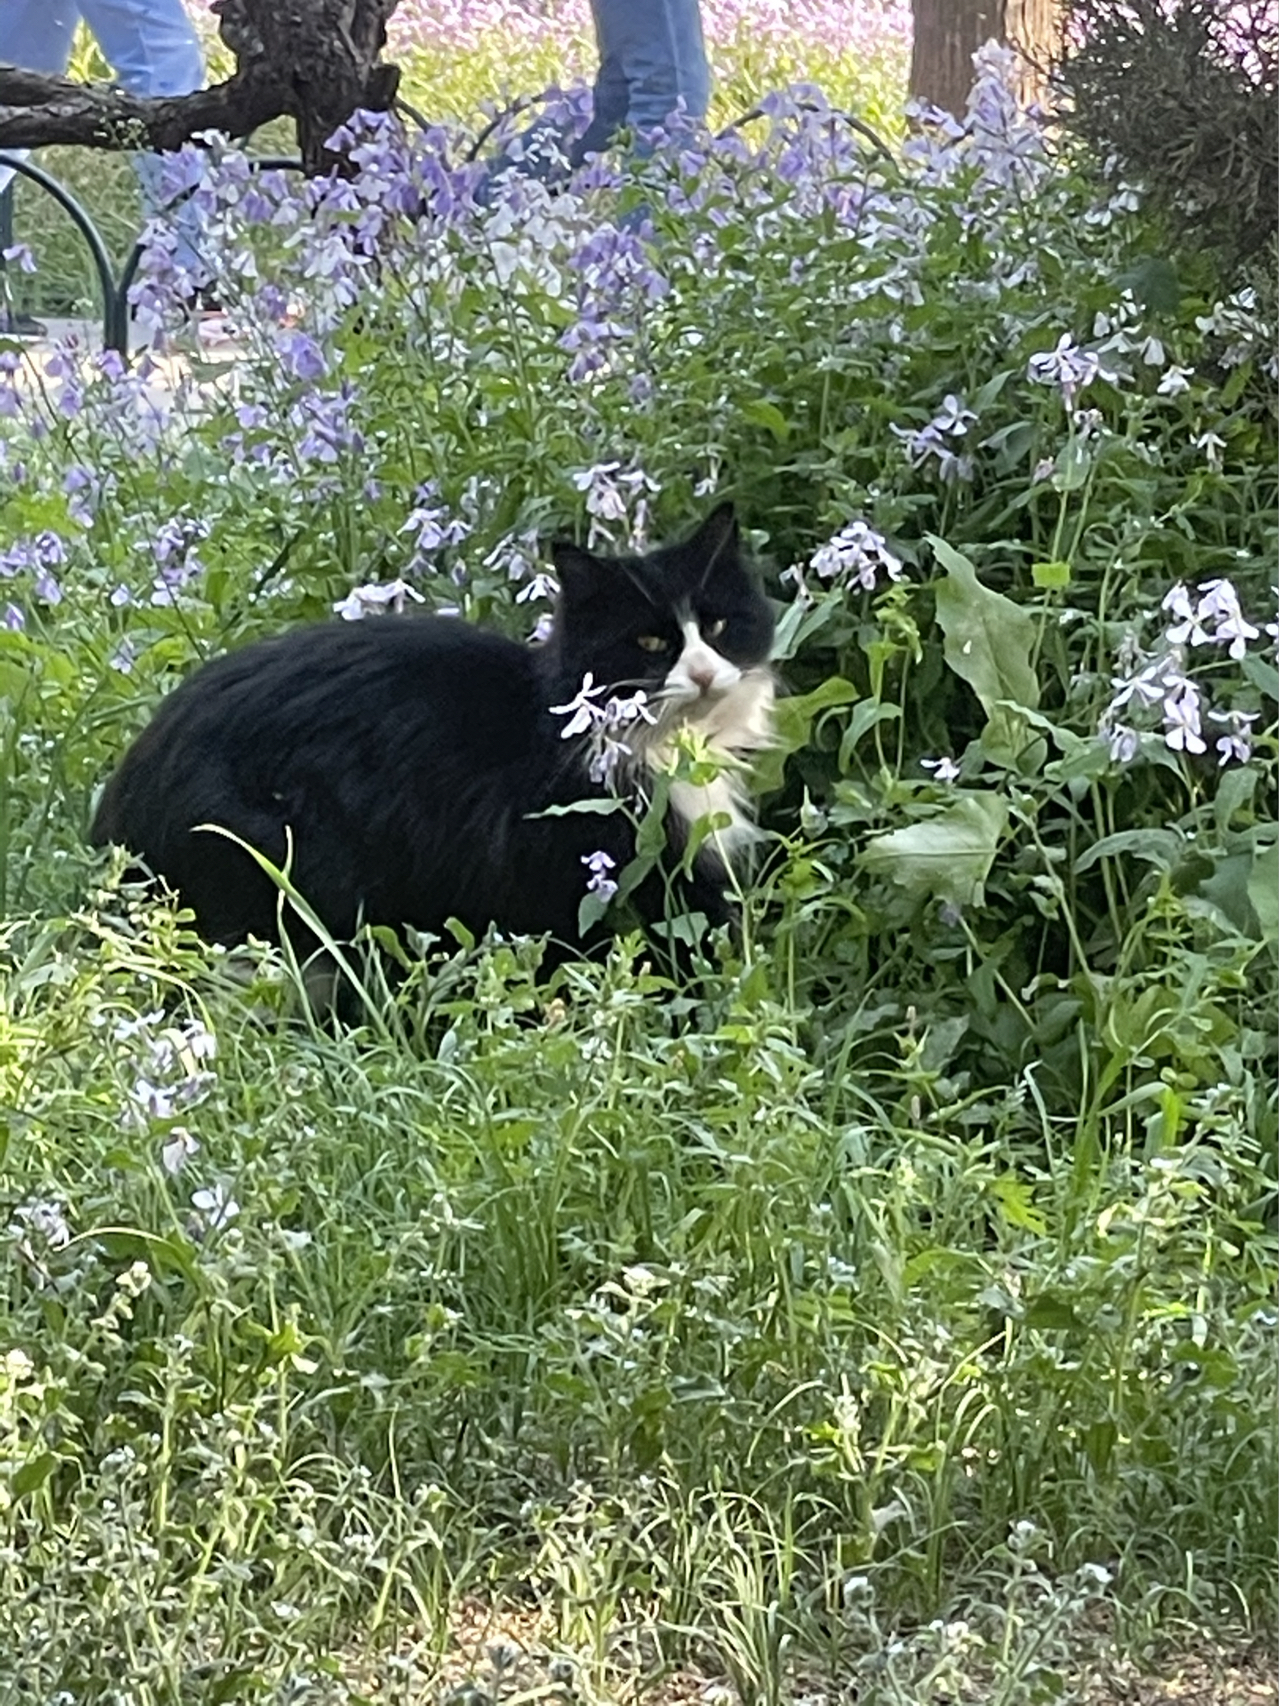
[{"x": 685, "y": 623}]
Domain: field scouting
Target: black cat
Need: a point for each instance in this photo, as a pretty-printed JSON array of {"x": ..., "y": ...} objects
[{"x": 408, "y": 757}]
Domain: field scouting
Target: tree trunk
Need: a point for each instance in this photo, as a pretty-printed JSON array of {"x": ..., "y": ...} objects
[
  {"x": 314, "y": 61},
  {"x": 949, "y": 32}
]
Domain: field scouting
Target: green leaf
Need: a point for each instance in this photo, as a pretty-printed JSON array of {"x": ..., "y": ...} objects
[
  {"x": 1070, "y": 470},
  {"x": 1262, "y": 674},
  {"x": 1051, "y": 576},
  {"x": 126, "y": 1243},
  {"x": 1051, "y": 1314},
  {"x": 1159, "y": 847},
  {"x": 792, "y": 721},
  {"x": 591, "y": 808},
  {"x": 591, "y": 909},
  {"x": 1154, "y": 283},
  {"x": 769, "y": 416},
  {"x": 988, "y": 645},
  {"x": 1017, "y": 1204},
  {"x": 1263, "y": 889},
  {"x": 865, "y": 717},
  {"x": 948, "y": 855},
  {"x": 33, "y": 1473}
]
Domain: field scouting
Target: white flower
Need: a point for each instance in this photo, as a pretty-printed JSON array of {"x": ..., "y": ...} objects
[
  {"x": 1183, "y": 730},
  {"x": 1123, "y": 743},
  {"x": 1067, "y": 366},
  {"x": 1212, "y": 445},
  {"x": 953, "y": 416},
  {"x": 582, "y": 714},
  {"x": 541, "y": 586},
  {"x": 1236, "y": 743},
  {"x": 177, "y": 1149},
  {"x": 43, "y": 1217},
  {"x": 1187, "y": 630},
  {"x": 944, "y": 769},
  {"x": 215, "y": 1205},
  {"x": 154, "y": 1100},
  {"x": 1174, "y": 381},
  {"x": 858, "y": 553},
  {"x": 376, "y": 599},
  {"x": 1220, "y": 604}
]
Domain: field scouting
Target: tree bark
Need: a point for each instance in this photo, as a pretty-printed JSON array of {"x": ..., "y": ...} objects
[
  {"x": 949, "y": 32},
  {"x": 314, "y": 61}
]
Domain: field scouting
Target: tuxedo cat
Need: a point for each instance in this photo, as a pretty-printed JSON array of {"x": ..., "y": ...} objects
[{"x": 409, "y": 758}]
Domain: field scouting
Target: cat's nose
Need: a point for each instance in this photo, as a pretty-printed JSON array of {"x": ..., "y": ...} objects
[{"x": 702, "y": 676}]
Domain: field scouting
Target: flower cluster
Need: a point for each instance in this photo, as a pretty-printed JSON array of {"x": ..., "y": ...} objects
[
  {"x": 38, "y": 556},
  {"x": 604, "y": 724},
  {"x": 610, "y": 490},
  {"x": 599, "y": 882},
  {"x": 1157, "y": 685},
  {"x": 856, "y": 555},
  {"x": 939, "y": 440},
  {"x": 377, "y": 598},
  {"x": 168, "y": 1062},
  {"x": 1215, "y": 619}
]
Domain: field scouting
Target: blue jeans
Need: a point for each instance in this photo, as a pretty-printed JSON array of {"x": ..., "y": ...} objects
[
  {"x": 151, "y": 45},
  {"x": 652, "y": 58}
]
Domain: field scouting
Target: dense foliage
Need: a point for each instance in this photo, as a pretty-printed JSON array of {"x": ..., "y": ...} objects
[
  {"x": 1201, "y": 137},
  {"x": 913, "y": 1263}
]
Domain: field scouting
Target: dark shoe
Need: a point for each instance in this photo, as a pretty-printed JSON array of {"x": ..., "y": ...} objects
[{"x": 15, "y": 324}]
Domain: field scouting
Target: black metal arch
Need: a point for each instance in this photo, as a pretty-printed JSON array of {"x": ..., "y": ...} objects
[{"x": 115, "y": 289}]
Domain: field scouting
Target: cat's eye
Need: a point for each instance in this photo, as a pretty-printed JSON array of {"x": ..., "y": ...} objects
[
  {"x": 713, "y": 630},
  {"x": 651, "y": 643}
]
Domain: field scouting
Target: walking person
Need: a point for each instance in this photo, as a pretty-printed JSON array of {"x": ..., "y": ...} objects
[
  {"x": 150, "y": 45},
  {"x": 652, "y": 61}
]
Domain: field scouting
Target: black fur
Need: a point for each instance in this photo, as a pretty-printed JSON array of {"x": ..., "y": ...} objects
[{"x": 406, "y": 756}]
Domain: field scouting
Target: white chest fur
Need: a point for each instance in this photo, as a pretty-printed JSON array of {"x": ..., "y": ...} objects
[{"x": 734, "y": 724}]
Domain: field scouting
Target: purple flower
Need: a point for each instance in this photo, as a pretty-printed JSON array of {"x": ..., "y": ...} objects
[
  {"x": 605, "y": 724},
  {"x": 13, "y": 619},
  {"x": 302, "y": 356},
  {"x": 599, "y": 882},
  {"x": 1236, "y": 742},
  {"x": 1124, "y": 743},
  {"x": 856, "y": 553},
  {"x": 1068, "y": 367}
]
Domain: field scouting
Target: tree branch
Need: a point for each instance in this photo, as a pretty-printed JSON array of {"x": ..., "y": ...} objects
[{"x": 314, "y": 61}]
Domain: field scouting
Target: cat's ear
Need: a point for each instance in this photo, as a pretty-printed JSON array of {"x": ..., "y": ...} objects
[
  {"x": 579, "y": 571},
  {"x": 717, "y": 540}
]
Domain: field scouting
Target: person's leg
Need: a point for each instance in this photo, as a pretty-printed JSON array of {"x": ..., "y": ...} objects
[
  {"x": 652, "y": 60},
  {"x": 153, "y": 49},
  {"x": 150, "y": 45},
  {"x": 36, "y": 34}
]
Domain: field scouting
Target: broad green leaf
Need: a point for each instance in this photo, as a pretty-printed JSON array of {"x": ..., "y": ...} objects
[
  {"x": 948, "y": 855},
  {"x": 988, "y": 645},
  {"x": 792, "y": 721},
  {"x": 769, "y": 416},
  {"x": 1154, "y": 282},
  {"x": 1263, "y": 889},
  {"x": 1262, "y": 674},
  {"x": 1071, "y": 467},
  {"x": 1159, "y": 847},
  {"x": 33, "y": 1473}
]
